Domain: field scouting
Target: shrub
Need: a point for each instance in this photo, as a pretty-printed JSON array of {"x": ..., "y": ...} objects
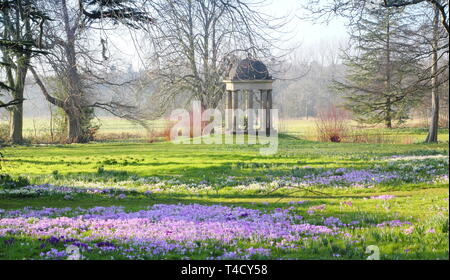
[
  {"x": 332, "y": 124},
  {"x": 165, "y": 132},
  {"x": 6, "y": 181},
  {"x": 156, "y": 134}
]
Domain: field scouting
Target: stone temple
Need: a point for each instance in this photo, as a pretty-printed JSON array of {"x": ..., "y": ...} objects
[{"x": 249, "y": 82}]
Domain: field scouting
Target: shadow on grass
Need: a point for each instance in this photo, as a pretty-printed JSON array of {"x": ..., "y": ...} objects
[
  {"x": 214, "y": 173},
  {"x": 137, "y": 201}
]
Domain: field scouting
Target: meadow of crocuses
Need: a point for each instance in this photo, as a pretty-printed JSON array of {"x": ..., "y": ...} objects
[{"x": 164, "y": 201}]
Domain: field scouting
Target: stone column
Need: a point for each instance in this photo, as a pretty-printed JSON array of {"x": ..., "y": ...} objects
[
  {"x": 228, "y": 113},
  {"x": 262, "y": 117},
  {"x": 250, "y": 115},
  {"x": 235, "y": 106},
  {"x": 268, "y": 113}
]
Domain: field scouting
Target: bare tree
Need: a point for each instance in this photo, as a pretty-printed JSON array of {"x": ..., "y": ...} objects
[
  {"x": 428, "y": 41},
  {"x": 194, "y": 41},
  {"x": 21, "y": 28},
  {"x": 434, "y": 125},
  {"x": 80, "y": 69},
  {"x": 131, "y": 13},
  {"x": 354, "y": 10}
]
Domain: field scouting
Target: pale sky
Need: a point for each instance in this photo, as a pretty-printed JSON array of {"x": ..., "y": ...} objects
[
  {"x": 306, "y": 31},
  {"x": 307, "y": 35}
]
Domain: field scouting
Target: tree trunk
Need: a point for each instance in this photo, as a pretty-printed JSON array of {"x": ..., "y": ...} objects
[
  {"x": 73, "y": 103},
  {"x": 16, "y": 130},
  {"x": 388, "y": 123},
  {"x": 306, "y": 110},
  {"x": 51, "y": 121},
  {"x": 74, "y": 127},
  {"x": 16, "y": 124},
  {"x": 434, "y": 124},
  {"x": 388, "y": 118},
  {"x": 13, "y": 29}
]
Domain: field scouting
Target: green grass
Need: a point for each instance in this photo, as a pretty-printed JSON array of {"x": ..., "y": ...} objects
[
  {"x": 405, "y": 134},
  {"x": 413, "y": 206},
  {"x": 421, "y": 203},
  {"x": 197, "y": 161},
  {"x": 108, "y": 125},
  {"x": 306, "y": 129}
]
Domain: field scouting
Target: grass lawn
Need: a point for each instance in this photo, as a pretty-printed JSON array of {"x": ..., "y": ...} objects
[
  {"x": 164, "y": 201},
  {"x": 116, "y": 128}
]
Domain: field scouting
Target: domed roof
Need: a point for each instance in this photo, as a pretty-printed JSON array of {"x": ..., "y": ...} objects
[{"x": 249, "y": 69}]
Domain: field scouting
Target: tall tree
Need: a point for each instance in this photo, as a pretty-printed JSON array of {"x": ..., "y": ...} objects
[
  {"x": 381, "y": 84},
  {"x": 77, "y": 65},
  {"x": 21, "y": 28},
  {"x": 324, "y": 10},
  {"x": 434, "y": 125},
  {"x": 431, "y": 44}
]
